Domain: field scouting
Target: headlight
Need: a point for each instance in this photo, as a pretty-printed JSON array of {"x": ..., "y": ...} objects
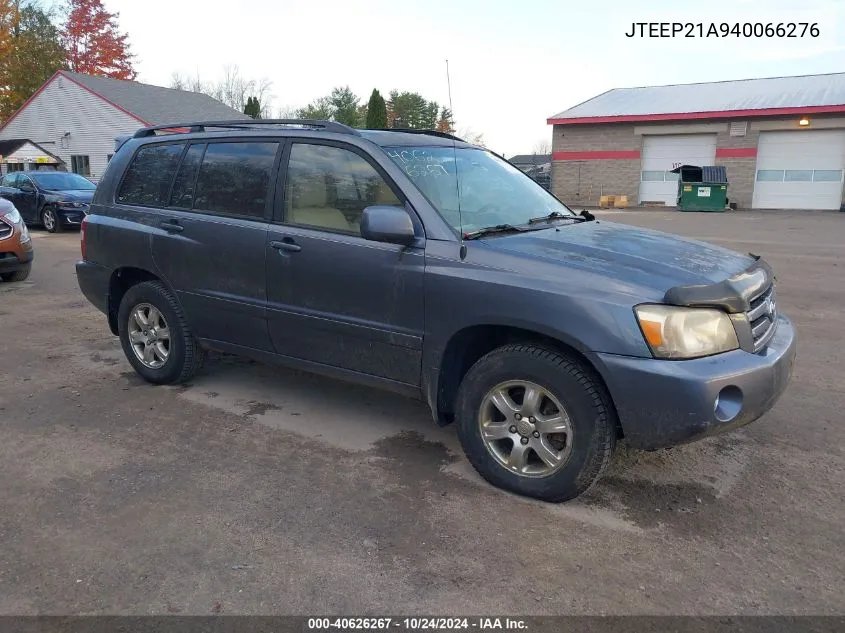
[
  {"x": 13, "y": 216},
  {"x": 70, "y": 204},
  {"x": 678, "y": 333}
]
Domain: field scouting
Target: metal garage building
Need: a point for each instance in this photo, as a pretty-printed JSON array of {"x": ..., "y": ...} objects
[{"x": 781, "y": 139}]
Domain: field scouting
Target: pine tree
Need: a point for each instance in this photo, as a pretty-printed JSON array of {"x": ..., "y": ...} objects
[
  {"x": 376, "y": 112},
  {"x": 253, "y": 107}
]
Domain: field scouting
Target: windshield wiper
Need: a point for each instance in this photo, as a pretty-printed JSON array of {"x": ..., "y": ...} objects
[
  {"x": 585, "y": 216},
  {"x": 489, "y": 230}
]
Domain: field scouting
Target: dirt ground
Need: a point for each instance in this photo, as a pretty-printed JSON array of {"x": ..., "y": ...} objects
[{"x": 260, "y": 490}]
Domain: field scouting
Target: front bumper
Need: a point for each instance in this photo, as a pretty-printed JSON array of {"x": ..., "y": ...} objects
[
  {"x": 71, "y": 217},
  {"x": 11, "y": 262},
  {"x": 663, "y": 403}
]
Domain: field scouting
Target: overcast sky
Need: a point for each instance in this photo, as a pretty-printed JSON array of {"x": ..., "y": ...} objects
[{"x": 513, "y": 63}]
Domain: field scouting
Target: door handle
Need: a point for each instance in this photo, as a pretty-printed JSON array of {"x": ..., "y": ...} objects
[
  {"x": 286, "y": 244},
  {"x": 171, "y": 226}
]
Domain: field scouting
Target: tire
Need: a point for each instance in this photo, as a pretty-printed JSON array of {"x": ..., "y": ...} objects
[
  {"x": 588, "y": 419},
  {"x": 51, "y": 220},
  {"x": 184, "y": 355},
  {"x": 18, "y": 275}
]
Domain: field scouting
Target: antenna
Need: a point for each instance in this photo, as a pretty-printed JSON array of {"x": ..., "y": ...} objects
[{"x": 455, "y": 158}]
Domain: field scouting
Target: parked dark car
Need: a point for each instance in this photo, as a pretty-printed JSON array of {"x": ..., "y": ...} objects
[
  {"x": 425, "y": 265},
  {"x": 53, "y": 199}
]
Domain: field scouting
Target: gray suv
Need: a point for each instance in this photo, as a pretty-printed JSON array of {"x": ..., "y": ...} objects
[{"x": 419, "y": 263}]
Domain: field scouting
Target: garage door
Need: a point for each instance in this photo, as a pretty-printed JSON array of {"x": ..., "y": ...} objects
[
  {"x": 800, "y": 169},
  {"x": 661, "y": 154}
]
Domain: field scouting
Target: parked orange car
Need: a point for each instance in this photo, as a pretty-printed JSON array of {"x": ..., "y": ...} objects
[{"x": 15, "y": 244}]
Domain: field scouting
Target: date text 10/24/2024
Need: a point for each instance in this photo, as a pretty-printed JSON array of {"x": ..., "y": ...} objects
[
  {"x": 785, "y": 30},
  {"x": 417, "y": 624}
]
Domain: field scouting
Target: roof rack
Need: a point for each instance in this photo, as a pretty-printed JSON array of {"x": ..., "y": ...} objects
[
  {"x": 241, "y": 124},
  {"x": 451, "y": 137}
]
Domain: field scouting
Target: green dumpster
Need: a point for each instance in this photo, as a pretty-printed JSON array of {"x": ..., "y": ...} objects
[{"x": 702, "y": 188}]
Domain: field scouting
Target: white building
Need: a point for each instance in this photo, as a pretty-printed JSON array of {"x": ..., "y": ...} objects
[{"x": 72, "y": 120}]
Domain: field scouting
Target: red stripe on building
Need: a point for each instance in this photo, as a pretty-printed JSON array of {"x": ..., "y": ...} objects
[
  {"x": 686, "y": 116},
  {"x": 608, "y": 155},
  {"x": 736, "y": 152}
]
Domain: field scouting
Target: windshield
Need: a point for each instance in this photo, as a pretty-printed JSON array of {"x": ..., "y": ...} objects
[
  {"x": 58, "y": 181},
  {"x": 492, "y": 191}
]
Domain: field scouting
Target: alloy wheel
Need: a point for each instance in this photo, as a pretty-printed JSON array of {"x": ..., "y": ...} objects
[
  {"x": 526, "y": 428},
  {"x": 149, "y": 335}
]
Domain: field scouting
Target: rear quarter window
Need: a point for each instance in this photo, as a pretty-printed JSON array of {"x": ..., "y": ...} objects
[{"x": 147, "y": 180}]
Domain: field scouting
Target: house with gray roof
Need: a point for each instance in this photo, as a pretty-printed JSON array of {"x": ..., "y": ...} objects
[
  {"x": 76, "y": 117},
  {"x": 781, "y": 140}
]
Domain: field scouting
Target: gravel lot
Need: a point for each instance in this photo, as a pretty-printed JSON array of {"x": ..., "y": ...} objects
[{"x": 261, "y": 490}]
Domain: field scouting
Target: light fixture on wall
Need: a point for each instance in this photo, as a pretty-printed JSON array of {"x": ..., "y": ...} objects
[{"x": 804, "y": 121}]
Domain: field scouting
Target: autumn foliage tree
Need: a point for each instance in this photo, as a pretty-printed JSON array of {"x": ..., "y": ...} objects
[
  {"x": 94, "y": 43},
  {"x": 31, "y": 52}
]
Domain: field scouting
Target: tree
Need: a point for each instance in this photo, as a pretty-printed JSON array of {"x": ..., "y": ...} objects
[
  {"x": 376, "y": 112},
  {"x": 232, "y": 89},
  {"x": 476, "y": 138},
  {"x": 345, "y": 106},
  {"x": 411, "y": 111},
  {"x": 34, "y": 54},
  {"x": 9, "y": 19},
  {"x": 320, "y": 109},
  {"x": 362, "y": 114},
  {"x": 445, "y": 123},
  {"x": 542, "y": 148},
  {"x": 94, "y": 43},
  {"x": 253, "y": 108}
]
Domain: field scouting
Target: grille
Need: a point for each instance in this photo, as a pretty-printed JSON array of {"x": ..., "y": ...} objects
[
  {"x": 762, "y": 316},
  {"x": 5, "y": 230}
]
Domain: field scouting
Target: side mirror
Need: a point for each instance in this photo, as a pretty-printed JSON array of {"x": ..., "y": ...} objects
[{"x": 382, "y": 223}]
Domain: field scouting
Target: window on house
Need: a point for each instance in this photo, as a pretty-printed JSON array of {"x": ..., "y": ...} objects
[
  {"x": 827, "y": 175},
  {"x": 770, "y": 175},
  {"x": 14, "y": 167},
  {"x": 234, "y": 178},
  {"x": 798, "y": 175},
  {"x": 80, "y": 165}
]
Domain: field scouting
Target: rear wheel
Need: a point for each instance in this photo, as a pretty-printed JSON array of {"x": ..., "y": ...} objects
[
  {"x": 155, "y": 336},
  {"x": 535, "y": 422},
  {"x": 51, "y": 220},
  {"x": 18, "y": 275}
]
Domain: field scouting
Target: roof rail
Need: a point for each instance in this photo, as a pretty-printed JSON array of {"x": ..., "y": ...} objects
[
  {"x": 241, "y": 124},
  {"x": 451, "y": 137}
]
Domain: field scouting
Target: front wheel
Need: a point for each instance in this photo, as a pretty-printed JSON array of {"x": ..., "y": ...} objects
[
  {"x": 51, "y": 220},
  {"x": 536, "y": 422},
  {"x": 18, "y": 275},
  {"x": 155, "y": 336}
]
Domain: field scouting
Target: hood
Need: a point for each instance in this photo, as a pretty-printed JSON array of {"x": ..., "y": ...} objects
[
  {"x": 76, "y": 195},
  {"x": 628, "y": 254}
]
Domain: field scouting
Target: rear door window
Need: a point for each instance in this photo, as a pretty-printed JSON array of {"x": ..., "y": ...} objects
[
  {"x": 234, "y": 178},
  {"x": 183, "y": 187},
  {"x": 147, "y": 181}
]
